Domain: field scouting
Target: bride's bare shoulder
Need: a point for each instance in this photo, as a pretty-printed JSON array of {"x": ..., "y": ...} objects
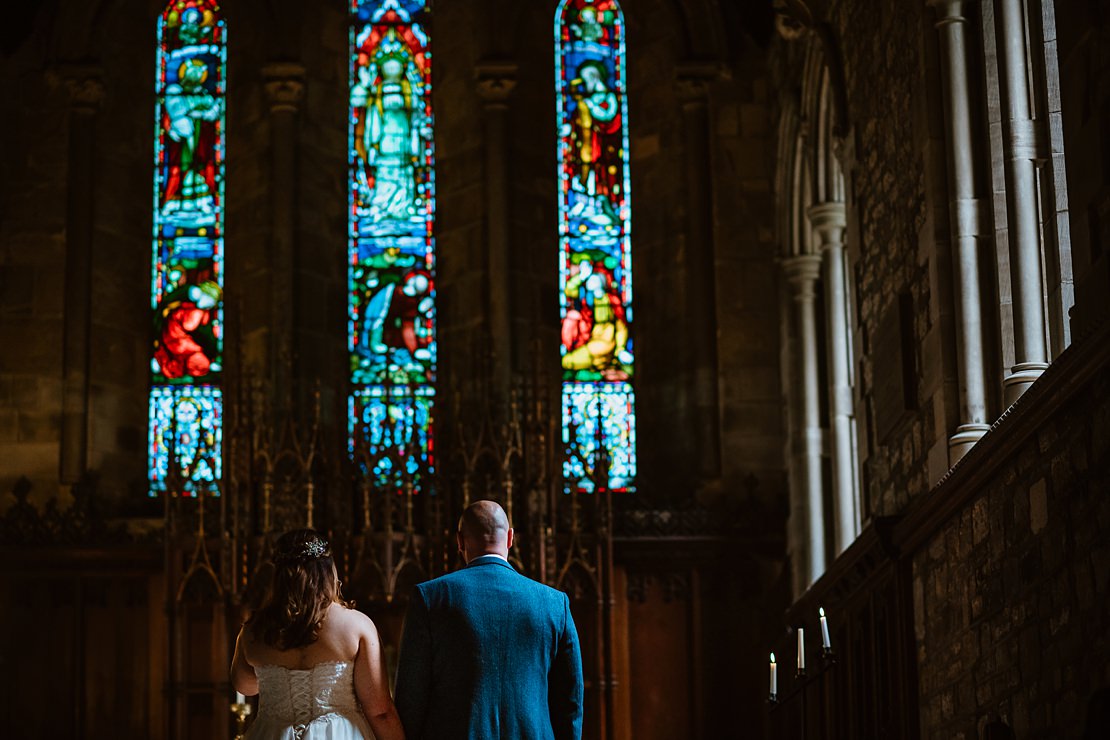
[{"x": 351, "y": 619}]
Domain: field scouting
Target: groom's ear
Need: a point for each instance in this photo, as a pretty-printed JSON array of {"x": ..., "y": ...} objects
[{"x": 509, "y": 538}]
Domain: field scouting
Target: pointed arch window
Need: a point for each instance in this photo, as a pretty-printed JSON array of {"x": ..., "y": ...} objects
[
  {"x": 391, "y": 245},
  {"x": 187, "y": 271},
  {"x": 595, "y": 246}
]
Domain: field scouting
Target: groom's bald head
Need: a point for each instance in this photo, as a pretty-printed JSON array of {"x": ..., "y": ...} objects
[{"x": 484, "y": 530}]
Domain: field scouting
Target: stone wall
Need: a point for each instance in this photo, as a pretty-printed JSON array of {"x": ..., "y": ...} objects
[
  {"x": 891, "y": 246},
  {"x": 1008, "y": 555},
  {"x": 1011, "y": 594},
  {"x": 752, "y": 427},
  {"x": 34, "y": 244}
]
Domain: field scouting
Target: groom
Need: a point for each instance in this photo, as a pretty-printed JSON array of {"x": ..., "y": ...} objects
[{"x": 486, "y": 652}]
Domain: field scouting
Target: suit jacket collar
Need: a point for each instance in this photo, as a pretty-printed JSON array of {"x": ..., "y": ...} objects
[{"x": 490, "y": 560}]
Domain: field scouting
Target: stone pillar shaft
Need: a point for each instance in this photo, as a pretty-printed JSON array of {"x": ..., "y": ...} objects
[
  {"x": 85, "y": 92},
  {"x": 829, "y": 221},
  {"x": 701, "y": 293},
  {"x": 809, "y": 556},
  {"x": 284, "y": 86},
  {"x": 495, "y": 83},
  {"x": 1023, "y": 222},
  {"x": 965, "y": 209}
]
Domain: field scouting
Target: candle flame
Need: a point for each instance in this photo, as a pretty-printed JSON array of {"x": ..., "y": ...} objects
[
  {"x": 821, "y": 611},
  {"x": 772, "y": 657}
]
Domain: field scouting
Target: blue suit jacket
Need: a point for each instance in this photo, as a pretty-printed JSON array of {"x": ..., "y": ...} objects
[{"x": 489, "y": 653}]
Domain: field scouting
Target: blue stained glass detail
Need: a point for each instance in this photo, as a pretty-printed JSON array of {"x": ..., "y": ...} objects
[
  {"x": 599, "y": 414},
  {"x": 396, "y": 427},
  {"x": 595, "y": 243},
  {"x": 186, "y": 426}
]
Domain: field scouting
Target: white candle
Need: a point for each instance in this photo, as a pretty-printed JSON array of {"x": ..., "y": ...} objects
[
  {"x": 239, "y": 698},
  {"x": 774, "y": 676},
  {"x": 801, "y": 649},
  {"x": 825, "y": 642}
]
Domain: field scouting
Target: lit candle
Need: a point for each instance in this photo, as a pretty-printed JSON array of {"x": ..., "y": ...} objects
[
  {"x": 774, "y": 676},
  {"x": 239, "y": 698},
  {"x": 825, "y": 642},
  {"x": 801, "y": 649}
]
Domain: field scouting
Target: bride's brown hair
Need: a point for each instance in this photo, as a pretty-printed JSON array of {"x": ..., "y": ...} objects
[{"x": 304, "y": 585}]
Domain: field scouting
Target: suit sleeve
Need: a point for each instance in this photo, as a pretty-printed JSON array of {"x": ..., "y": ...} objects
[
  {"x": 565, "y": 685},
  {"x": 414, "y": 668}
]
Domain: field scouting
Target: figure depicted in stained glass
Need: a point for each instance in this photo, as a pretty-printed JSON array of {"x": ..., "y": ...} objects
[
  {"x": 596, "y": 131},
  {"x": 589, "y": 27},
  {"x": 188, "y": 342},
  {"x": 595, "y": 227},
  {"x": 186, "y": 407},
  {"x": 391, "y": 308},
  {"x": 191, "y": 115},
  {"x": 186, "y": 429},
  {"x": 398, "y": 325},
  {"x": 390, "y": 134},
  {"x": 595, "y": 330}
]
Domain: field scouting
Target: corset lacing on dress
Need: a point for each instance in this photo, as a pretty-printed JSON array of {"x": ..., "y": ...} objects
[{"x": 297, "y": 698}]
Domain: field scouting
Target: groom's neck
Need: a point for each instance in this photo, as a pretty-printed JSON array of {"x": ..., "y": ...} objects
[{"x": 494, "y": 553}]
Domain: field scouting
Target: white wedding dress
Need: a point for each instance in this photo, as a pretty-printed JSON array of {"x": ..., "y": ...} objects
[{"x": 317, "y": 703}]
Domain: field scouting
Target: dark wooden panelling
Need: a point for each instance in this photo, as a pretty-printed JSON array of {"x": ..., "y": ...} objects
[{"x": 79, "y": 650}]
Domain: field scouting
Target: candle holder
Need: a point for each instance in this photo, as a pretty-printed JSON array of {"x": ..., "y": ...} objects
[
  {"x": 241, "y": 710},
  {"x": 773, "y": 699},
  {"x": 828, "y": 655}
]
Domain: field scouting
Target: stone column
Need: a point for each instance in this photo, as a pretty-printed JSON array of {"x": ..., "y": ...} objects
[
  {"x": 701, "y": 294},
  {"x": 965, "y": 217},
  {"x": 494, "y": 83},
  {"x": 85, "y": 90},
  {"x": 801, "y": 274},
  {"x": 1023, "y": 222},
  {"x": 284, "y": 86},
  {"x": 828, "y": 220}
]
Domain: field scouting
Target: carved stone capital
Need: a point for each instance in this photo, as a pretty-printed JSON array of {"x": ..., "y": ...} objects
[
  {"x": 829, "y": 221},
  {"x": 948, "y": 11},
  {"x": 692, "y": 80},
  {"x": 82, "y": 82},
  {"x": 793, "y": 18},
  {"x": 284, "y": 85},
  {"x": 494, "y": 82},
  {"x": 802, "y": 272}
]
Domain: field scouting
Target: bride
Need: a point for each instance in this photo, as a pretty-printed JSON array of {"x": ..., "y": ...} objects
[{"x": 316, "y": 663}]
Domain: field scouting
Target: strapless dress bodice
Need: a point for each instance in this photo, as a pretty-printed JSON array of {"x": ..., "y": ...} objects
[{"x": 315, "y": 703}]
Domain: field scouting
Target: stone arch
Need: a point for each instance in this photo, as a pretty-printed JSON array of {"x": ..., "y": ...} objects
[{"x": 812, "y": 195}]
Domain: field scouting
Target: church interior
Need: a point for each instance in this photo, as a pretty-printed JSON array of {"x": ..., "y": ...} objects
[{"x": 844, "y": 472}]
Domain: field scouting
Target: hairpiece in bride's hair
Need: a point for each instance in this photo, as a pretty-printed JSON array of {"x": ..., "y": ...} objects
[{"x": 309, "y": 549}]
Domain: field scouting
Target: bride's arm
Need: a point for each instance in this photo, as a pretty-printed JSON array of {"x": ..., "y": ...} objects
[
  {"x": 372, "y": 686},
  {"x": 243, "y": 677}
]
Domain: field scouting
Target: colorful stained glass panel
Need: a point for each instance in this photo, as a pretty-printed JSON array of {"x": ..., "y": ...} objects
[
  {"x": 595, "y": 255},
  {"x": 391, "y": 270},
  {"x": 395, "y": 429},
  {"x": 187, "y": 268}
]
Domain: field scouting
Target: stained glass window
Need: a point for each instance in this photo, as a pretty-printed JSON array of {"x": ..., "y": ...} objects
[
  {"x": 595, "y": 255},
  {"x": 391, "y": 248},
  {"x": 186, "y": 295}
]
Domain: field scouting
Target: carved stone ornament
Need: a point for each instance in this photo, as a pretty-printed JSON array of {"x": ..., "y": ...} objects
[
  {"x": 284, "y": 85},
  {"x": 495, "y": 81},
  {"x": 82, "y": 523},
  {"x": 792, "y": 19},
  {"x": 81, "y": 81},
  {"x": 693, "y": 78}
]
